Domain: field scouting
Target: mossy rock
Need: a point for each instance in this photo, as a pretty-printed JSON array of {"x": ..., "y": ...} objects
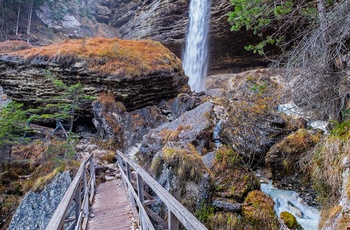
[
  {"x": 258, "y": 211},
  {"x": 232, "y": 179},
  {"x": 290, "y": 221},
  {"x": 283, "y": 157}
]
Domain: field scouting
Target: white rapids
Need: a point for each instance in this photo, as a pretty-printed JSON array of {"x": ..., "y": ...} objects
[{"x": 308, "y": 217}]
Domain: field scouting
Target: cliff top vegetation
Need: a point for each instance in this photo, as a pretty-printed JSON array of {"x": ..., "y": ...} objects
[
  {"x": 12, "y": 46},
  {"x": 106, "y": 56}
]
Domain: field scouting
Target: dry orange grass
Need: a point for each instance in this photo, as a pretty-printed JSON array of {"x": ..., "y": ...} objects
[
  {"x": 108, "y": 56},
  {"x": 11, "y": 46}
]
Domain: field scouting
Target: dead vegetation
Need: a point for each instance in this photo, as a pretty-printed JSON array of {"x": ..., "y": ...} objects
[
  {"x": 107, "y": 56},
  {"x": 12, "y": 46}
]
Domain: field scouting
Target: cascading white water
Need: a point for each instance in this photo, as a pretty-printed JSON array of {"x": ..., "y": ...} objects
[
  {"x": 308, "y": 217},
  {"x": 195, "y": 58}
]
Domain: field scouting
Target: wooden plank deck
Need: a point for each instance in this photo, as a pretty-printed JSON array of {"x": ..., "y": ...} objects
[{"x": 111, "y": 209}]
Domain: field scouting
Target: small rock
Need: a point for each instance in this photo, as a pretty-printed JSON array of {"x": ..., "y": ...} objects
[
  {"x": 227, "y": 205},
  {"x": 109, "y": 178}
]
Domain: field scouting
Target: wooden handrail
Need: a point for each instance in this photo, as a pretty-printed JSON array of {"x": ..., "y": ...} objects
[
  {"x": 77, "y": 198},
  {"x": 176, "y": 211}
]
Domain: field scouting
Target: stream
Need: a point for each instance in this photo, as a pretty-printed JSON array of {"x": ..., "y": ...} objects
[{"x": 308, "y": 217}]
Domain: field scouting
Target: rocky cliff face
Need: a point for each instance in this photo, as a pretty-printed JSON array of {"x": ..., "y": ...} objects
[
  {"x": 161, "y": 20},
  {"x": 137, "y": 73},
  {"x": 167, "y": 22}
]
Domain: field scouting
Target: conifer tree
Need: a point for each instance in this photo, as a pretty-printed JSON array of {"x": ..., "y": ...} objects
[{"x": 13, "y": 125}]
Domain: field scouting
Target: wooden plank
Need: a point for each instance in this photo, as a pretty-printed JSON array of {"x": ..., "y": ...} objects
[
  {"x": 111, "y": 208},
  {"x": 145, "y": 218},
  {"x": 173, "y": 222},
  {"x": 183, "y": 215}
]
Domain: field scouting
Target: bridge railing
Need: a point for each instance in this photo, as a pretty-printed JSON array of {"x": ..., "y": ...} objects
[
  {"x": 73, "y": 211},
  {"x": 177, "y": 213}
]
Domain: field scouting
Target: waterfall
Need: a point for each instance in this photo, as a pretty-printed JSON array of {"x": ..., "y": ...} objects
[{"x": 195, "y": 59}]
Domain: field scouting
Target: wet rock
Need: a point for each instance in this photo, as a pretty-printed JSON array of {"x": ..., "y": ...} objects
[{"x": 167, "y": 21}]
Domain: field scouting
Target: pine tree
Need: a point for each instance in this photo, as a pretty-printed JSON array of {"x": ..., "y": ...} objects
[{"x": 13, "y": 126}]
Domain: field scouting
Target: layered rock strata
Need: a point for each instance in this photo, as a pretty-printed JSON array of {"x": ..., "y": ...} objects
[{"x": 137, "y": 73}]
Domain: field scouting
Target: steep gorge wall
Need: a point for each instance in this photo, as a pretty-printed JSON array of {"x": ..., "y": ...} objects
[{"x": 161, "y": 20}]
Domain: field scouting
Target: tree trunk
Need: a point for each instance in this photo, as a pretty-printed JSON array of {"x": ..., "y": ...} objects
[
  {"x": 31, "y": 3},
  {"x": 9, "y": 159},
  {"x": 72, "y": 115},
  {"x": 2, "y": 10},
  {"x": 18, "y": 13}
]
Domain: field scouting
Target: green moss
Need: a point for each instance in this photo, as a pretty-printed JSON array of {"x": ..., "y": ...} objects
[
  {"x": 205, "y": 212},
  {"x": 290, "y": 221},
  {"x": 258, "y": 211}
]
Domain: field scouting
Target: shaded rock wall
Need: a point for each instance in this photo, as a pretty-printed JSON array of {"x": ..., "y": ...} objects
[
  {"x": 167, "y": 22},
  {"x": 37, "y": 208}
]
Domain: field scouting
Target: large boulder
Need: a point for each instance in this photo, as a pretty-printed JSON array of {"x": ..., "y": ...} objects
[
  {"x": 283, "y": 157},
  {"x": 194, "y": 127},
  {"x": 137, "y": 73},
  {"x": 172, "y": 154},
  {"x": 37, "y": 208}
]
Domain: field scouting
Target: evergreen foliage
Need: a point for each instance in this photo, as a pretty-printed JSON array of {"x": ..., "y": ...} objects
[
  {"x": 13, "y": 125},
  {"x": 64, "y": 106}
]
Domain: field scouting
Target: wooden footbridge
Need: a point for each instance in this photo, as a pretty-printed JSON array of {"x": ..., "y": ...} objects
[{"x": 118, "y": 204}]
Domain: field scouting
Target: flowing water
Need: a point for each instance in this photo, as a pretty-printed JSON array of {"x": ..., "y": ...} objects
[
  {"x": 195, "y": 59},
  {"x": 216, "y": 134},
  {"x": 308, "y": 217}
]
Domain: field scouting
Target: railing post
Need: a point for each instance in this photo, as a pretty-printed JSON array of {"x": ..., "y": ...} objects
[
  {"x": 141, "y": 198},
  {"x": 93, "y": 180},
  {"x": 128, "y": 174},
  {"x": 140, "y": 187},
  {"x": 77, "y": 203},
  {"x": 86, "y": 193},
  {"x": 173, "y": 222}
]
